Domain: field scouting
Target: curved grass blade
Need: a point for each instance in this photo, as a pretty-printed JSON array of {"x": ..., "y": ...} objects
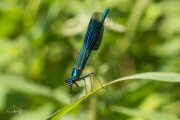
[{"x": 158, "y": 76}]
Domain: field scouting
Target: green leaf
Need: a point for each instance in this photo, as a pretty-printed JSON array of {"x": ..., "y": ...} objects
[
  {"x": 23, "y": 85},
  {"x": 158, "y": 76},
  {"x": 27, "y": 87}
]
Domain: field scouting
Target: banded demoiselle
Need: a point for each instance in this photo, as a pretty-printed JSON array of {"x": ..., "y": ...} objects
[{"x": 92, "y": 42}]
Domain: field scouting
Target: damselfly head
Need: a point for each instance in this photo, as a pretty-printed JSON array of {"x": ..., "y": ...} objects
[{"x": 69, "y": 81}]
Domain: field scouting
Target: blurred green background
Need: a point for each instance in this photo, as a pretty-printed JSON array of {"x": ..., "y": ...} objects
[{"x": 40, "y": 40}]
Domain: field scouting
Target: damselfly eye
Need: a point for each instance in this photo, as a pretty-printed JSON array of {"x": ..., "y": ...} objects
[{"x": 69, "y": 81}]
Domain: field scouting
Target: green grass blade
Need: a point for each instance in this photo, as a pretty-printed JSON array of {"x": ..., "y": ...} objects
[
  {"x": 158, "y": 76},
  {"x": 20, "y": 84}
]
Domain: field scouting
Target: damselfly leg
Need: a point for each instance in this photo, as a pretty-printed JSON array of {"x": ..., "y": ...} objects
[
  {"x": 77, "y": 91},
  {"x": 89, "y": 75}
]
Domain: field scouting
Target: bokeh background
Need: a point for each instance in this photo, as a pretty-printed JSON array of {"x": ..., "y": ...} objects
[{"x": 40, "y": 40}]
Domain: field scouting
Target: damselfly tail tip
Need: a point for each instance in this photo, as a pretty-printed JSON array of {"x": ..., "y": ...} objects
[{"x": 106, "y": 11}]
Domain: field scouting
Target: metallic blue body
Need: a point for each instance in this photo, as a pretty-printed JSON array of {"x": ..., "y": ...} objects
[
  {"x": 74, "y": 76},
  {"x": 76, "y": 73},
  {"x": 92, "y": 42},
  {"x": 106, "y": 11}
]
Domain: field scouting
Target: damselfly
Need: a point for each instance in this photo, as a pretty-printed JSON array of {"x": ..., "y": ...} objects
[{"x": 92, "y": 42}]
